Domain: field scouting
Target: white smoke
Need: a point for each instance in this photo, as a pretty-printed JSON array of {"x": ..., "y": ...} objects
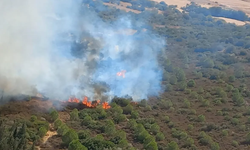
[{"x": 32, "y": 58}]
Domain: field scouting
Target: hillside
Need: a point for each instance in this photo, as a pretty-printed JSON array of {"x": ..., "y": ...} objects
[{"x": 205, "y": 96}]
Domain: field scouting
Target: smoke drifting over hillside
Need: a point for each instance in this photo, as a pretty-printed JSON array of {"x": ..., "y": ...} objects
[{"x": 37, "y": 53}]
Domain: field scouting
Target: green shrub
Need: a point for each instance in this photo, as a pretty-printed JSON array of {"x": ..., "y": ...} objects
[
  {"x": 191, "y": 83},
  {"x": 97, "y": 143},
  {"x": 242, "y": 127},
  {"x": 171, "y": 109},
  {"x": 219, "y": 113},
  {"x": 182, "y": 86},
  {"x": 227, "y": 117},
  {"x": 83, "y": 134},
  {"x": 229, "y": 88},
  {"x": 248, "y": 120},
  {"x": 238, "y": 115},
  {"x": 187, "y": 91},
  {"x": 57, "y": 123},
  {"x": 109, "y": 127},
  {"x": 142, "y": 135},
  {"x": 224, "y": 132},
  {"x": 116, "y": 110},
  {"x": 139, "y": 128},
  {"x": 128, "y": 109},
  {"x": 160, "y": 136},
  {"x": 248, "y": 111},
  {"x": 102, "y": 114},
  {"x": 143, "y": 103},
  {"x": 121, "y": 101},
  {"x": 201, "y": 118},
  {"x": 118, "y": 137},
  {"x": 235, "y": 143},
  {"x": 166, "y": 119},
  {"x": 198, "y": 75},
  {"x": 173, "y": 80},
  {"x": 148, "y": 139},
  {"x": 200, "y": 90},
  {"x": 54, "y": 115},
  {"x": 87, "y": 120},
  {"x": 166, "y": 104},
  {"x": 69, "y": 136},
  {"x": 76, "y": 145},
  {"x": 208, "y": 95},
  {"x": 189, "y": 142},
  {"x": 131, "y": 124},
  {"x": 134, "y": 114},
  {"x": 151, "y": 146},
  {"x": 248, "y": 138},
  {"x": 190, "y": 127},
  {"x": 186, "y": 104},
  {"x": 123, "y": 143},
  {"x": 171, "y": 124},
  {"x": 192, "y": 112},
  {"x": 33, "y": 118},
  {"x": 172, "y": 146},
  {"x": 214, "y": 146},
  {"x": 205, "y": 103},
  {"x": 119, "y": 118},
  {"x": 155, "y": 128},
  {"x": 74, "y": 114},
  {"x": 235, "y": 121},
  {"x": 42, "y": 131},
  {"x": 205, "y": 139},
  {"x": 183, "y": 135},
  {"x": 231, "y": 78},
  {"x": 62, "y": 129}
]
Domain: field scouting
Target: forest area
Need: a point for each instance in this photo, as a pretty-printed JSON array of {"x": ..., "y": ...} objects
[{"x": 204, "y": 104}]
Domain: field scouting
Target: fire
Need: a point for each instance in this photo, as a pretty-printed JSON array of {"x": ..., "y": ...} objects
[
  {"x": 89, "y": 104},
  {"x": 85, "y": 100},
  {"x": 122, "y": 73},
  {"x": 105, "y": 105}
]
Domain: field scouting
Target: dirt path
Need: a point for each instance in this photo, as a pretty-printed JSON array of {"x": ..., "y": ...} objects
[{"x": 48, "y": 135}]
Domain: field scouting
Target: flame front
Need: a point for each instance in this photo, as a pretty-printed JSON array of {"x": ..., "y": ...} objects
[
  {"x": 105, "y": 105},
  {"x": 89, "y": 104}
]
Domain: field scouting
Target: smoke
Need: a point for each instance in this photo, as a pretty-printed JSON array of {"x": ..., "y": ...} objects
[{"x": 63, "y": 48}]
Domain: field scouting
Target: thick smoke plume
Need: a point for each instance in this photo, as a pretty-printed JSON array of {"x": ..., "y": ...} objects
[{"x": 62, "y": 48}]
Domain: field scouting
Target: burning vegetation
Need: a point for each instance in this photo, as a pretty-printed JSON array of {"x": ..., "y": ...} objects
[{"x": 89, "y": 104}]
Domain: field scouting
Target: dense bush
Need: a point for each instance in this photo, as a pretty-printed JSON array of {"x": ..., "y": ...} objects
[
  {"x": 134, "y": 114},
  {"x": 76, "y": 145},
  {"x": 42, "y": 131},
  {"x": 160, "y": 136},
  {"x": 191, "y": 83},
  {"x": 97, "y": 143},
  {"x": 69, "y": 136},
  {"x": 62, "y": 129},
  {"x": 74, "y": 114},
  {"x": 57, "y": 123},
  {"x": 172, "y": 146},
  {"x": 128, "y": 109},
  {"x": 54, "y": 115},
  {"x": 83, "y": 134}
]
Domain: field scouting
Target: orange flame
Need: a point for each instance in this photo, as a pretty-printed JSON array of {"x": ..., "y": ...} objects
[
  {"x": 122, "y": 73},
  {"x": 105, "y": 105},
  {"x": 89, "y": 104},
  {"x": 85, "y": 100}
]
